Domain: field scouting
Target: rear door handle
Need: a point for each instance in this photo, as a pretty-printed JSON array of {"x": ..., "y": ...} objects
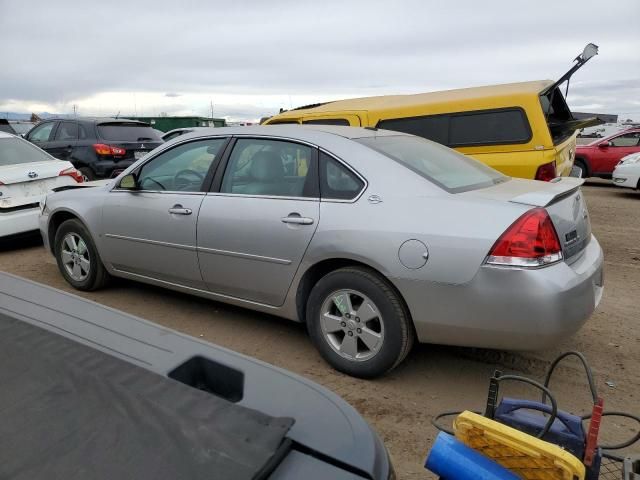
[
  {"x": 297, "y": 220},
  {"x": 179, "y": 210}
]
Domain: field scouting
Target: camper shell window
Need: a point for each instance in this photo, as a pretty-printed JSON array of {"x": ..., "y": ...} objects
[{"x": 464, "y": 129}]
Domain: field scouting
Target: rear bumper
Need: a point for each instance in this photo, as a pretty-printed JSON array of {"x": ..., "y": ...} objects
[
  {"x": 19, "y": 221},
  {"x": 507, "y": 308}
]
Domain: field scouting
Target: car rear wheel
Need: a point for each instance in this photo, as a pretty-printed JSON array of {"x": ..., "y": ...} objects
[
  {"x": 358, "y": 322},
  {"x": 78, "y": 258}
]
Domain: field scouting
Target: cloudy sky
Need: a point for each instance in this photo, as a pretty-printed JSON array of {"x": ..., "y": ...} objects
[{"x": 252, "y": 57}]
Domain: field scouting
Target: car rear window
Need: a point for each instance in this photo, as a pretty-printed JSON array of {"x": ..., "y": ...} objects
[
  {"x": 128, "y": 132},
  {"x": 446, "y": 168},
  {"x": 14, "y": 151}
]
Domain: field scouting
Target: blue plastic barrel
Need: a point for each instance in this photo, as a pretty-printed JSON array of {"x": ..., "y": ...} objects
[{"x": 453, "y": 460}]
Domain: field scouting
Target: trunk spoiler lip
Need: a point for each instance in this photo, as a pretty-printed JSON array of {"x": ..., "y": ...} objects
[{"x": 559, "y": 187}]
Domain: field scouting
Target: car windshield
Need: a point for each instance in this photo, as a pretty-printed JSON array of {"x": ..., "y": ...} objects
[
  {"x": 446, "y": 168},
  {"x": 128, "y": 132},
  {"x": 14, "y": 151}
]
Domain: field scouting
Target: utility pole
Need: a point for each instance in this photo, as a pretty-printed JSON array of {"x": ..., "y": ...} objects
[
  {"x": 211, "y": 108},
  {"x": 75, "y": 110}
]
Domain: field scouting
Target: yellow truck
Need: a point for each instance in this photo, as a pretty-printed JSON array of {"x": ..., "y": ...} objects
[{"x": 521, "y": 129}]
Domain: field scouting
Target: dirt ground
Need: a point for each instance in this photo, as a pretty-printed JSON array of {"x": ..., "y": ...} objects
[{"x": 433, "y": 379}]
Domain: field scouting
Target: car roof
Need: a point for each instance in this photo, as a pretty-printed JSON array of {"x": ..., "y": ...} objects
[
  {"x": 95, "y": 120},
  {"x": 7, "y": 135},
  {"x": 430, "y": 98},
  {"x": 309, "y": 133}
]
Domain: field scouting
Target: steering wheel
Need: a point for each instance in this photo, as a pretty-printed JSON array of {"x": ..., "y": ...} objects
[
  {"x": 154, "y": 181},
  {"x": 179, "y": 183}
]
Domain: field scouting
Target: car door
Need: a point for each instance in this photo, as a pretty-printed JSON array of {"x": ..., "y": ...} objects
[
  {"x": 612, "y": 151},
  {"x": 254, "y": 228},
  {"x": 150, "y": 230},
  {"x": 41, "y": 134},
  {"x": 64, "y": 140}
]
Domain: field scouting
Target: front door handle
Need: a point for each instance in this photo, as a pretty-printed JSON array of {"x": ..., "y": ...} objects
[
  {"x": 179, "y": 210},
  {"x": 296, "y": 219}
]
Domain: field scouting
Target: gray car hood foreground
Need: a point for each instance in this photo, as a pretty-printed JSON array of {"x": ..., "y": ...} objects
[{"x": 329, "y": 439}]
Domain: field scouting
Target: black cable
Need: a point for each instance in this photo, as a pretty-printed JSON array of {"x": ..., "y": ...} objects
[
  {"x": 618, "y": 446},
  {"x": 546, "y": 391},
  {"x": 587, "y": 369},
  {"x": 554, "y": 407}
]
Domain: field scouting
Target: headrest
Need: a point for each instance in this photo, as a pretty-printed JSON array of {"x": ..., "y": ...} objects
[{"x": 267, "y": 167}]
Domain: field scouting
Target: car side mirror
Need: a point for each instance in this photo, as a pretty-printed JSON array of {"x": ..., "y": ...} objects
[
  {"x": 604, "y": 144},
  {"x": 129, "y": 182}
]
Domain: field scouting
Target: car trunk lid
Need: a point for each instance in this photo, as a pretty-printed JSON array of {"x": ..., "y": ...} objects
[
  {"x": 563, "y": 200},
  {"x": 26, "y": 183}
]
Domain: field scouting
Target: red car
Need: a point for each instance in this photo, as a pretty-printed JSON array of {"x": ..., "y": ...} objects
[{"x": 599, "y": 158}]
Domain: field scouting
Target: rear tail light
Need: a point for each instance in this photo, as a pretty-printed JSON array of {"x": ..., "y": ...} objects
[
  {"x": 102, "y": 149},
  {"x": 73, "y": 173},
  {"x": 546, "y": 172},
  {"x": 531, "y": 241}
]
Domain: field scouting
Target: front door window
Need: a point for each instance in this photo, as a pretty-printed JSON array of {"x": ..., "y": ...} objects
[{"x": 182, "y": 168}]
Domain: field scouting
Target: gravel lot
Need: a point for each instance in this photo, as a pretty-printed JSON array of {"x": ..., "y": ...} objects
[{"x": 401, "y": 405}]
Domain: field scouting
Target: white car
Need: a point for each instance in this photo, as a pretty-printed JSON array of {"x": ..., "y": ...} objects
[
  {"x": 27, "y": 174},
  {"x": 627, "y": 172}
]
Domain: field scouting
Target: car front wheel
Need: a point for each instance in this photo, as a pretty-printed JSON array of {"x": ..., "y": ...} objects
[
  {"x": 77, "y": 257},
  {"x": 358, "y": 322}
]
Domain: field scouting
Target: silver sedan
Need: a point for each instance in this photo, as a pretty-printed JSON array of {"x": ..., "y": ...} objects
[{"x": 372, "y": 238}]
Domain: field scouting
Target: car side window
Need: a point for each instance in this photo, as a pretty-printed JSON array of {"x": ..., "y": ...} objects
[
  {"x": 41, "y": 133},
  {"x": 626, "y": 140},
  {"x": 270, "y": 167},
  {"x": 337, "y": 182},
  {"x": 67, "y": 131},
  {"x": 182, "y": 168},
  {"x": 82, "y": 133}
]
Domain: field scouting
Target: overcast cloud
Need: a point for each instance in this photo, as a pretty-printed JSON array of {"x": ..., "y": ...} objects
[{"x": 252, "y": 57}]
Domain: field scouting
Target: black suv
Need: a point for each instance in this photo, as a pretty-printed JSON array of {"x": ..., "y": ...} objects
[{"x": 98, "y": 147}]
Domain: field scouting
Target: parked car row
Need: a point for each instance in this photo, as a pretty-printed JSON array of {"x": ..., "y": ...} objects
[
  {"x": 600, "y": 157},
  {"x": 304, "y": 222},
  {"x": 27, "y": 173},
  {"x": 97, "y": 147}
]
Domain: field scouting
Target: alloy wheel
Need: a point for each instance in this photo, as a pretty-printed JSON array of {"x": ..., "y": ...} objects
[
  {"x": 352, "y": 325},
  {"x": 75, "y": 257}
]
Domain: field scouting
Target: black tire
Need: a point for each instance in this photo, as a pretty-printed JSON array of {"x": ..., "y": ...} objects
[
  {"x": 88, "y": 174},
  {"x": 97, "y": 276},
  {"x": 583, "y": 166},
  {"x": 398, "y": 330}
]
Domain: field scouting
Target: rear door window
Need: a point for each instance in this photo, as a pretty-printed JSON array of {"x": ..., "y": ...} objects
[
  {"x": 271, "y": 168},
  {"x": 67, "y": 131},
  {"x": 127, "y": 132}
]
